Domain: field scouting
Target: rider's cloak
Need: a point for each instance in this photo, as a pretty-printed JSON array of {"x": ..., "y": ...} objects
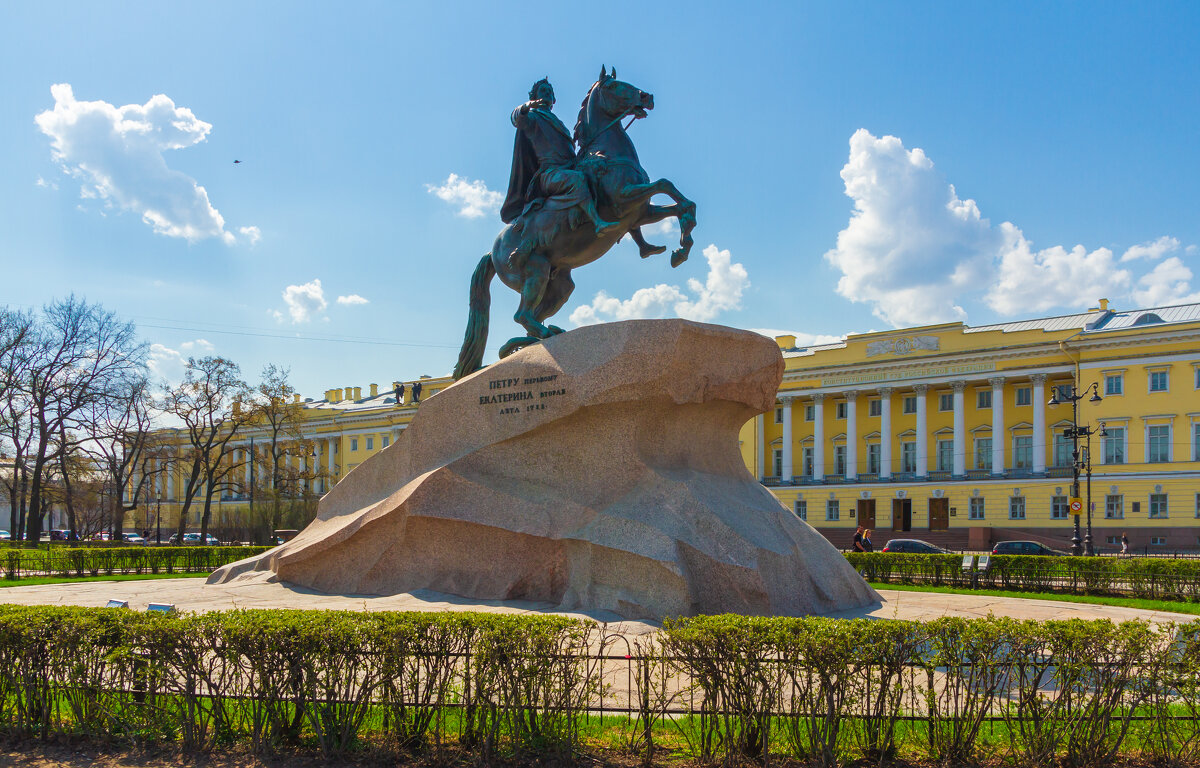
[{"x": 557, "y": 148}]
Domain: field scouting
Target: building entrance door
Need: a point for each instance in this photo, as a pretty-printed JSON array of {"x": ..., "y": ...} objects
[
  {"x": 939, "y": 514},
  {"x": 866, "y": 513},
  {"x": 901, "y": 514}
]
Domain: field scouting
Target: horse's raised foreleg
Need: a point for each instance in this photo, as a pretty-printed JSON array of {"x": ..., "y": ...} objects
[{"x": 684, "y": 209}]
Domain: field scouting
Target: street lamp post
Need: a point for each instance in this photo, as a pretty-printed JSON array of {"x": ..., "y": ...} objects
[{"x": 1074, "y": 432}]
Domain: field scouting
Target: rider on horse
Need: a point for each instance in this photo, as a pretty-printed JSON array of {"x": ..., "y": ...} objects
[{"x": 543, "y": 174}]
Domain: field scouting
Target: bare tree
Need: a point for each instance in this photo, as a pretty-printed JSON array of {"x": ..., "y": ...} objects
[
  {"x": 119, "y": 443},
  {"x": 208, "y": 402},
  {"x": 75, "y": 352},
  {"x": 279, "y": 415},
  {"x": 16, "y": 433}
]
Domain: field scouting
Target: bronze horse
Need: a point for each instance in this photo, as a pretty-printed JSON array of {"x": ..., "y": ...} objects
[{"x": 622, "y": 190}]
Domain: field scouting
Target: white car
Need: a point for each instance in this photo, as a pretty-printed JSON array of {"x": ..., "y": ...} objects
[{"x": 5, "y": 536}]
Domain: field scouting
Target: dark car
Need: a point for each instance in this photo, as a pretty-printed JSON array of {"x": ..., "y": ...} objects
[
  {"x": 915, "y": 546},
  {"x": 1025, "y": 548}
]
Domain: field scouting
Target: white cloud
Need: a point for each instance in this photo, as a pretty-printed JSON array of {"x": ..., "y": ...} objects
[
  {"x": 474, "y": 197},
  {"x": 1152, "y": 251},
  {"x": 45, "y": 184},
  {"x": 252, "y": 234},
  {"x": 1034, "y": 282},
  {"x": 167, "y": 364},
  {"x": 116, "y": 153},
  {"x": 912, "y": 245},
  {"x": 918, "y": 253},
  {"x": 304, "y": 302},
  {"x": 1168, "y": 283},
  {"x": 199, "y": 345},
  {"x": 802, "y": 339},
  {"x": 352, "y": 299},
  {"x": 721, "y": 290}
]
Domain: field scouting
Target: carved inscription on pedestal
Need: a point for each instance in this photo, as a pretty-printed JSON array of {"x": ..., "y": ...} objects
[{"x": 521, "y": 395}]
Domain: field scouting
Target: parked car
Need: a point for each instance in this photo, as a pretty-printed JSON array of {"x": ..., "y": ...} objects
[
  {"x": 1025, "y": 548},
  {"x": 5, "y": 536},
  {"x": 193, "y": 540},
  {"x": 132, "y": 538},
  {"x": 915, "y": 546},
  {"x": 60, "y": 534}
]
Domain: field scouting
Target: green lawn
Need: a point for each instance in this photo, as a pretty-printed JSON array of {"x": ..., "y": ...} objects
[
  {"x": 31, "y": 580},
  {"x": 1172, "y": 606}
]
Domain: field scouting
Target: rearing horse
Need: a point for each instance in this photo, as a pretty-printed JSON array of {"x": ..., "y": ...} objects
[{"x": 541, "y": 272}]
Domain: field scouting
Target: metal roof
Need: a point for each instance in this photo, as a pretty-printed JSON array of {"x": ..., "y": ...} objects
[
  {"x": 1060, "y": 323},
  {"x": 1180, "y": 313}
]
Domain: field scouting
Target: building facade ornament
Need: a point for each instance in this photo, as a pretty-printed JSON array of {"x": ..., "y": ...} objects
[{"x": 903, "y": 345}]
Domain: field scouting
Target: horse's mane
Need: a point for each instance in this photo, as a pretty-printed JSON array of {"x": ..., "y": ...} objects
[{"x": 580, "y": 139}]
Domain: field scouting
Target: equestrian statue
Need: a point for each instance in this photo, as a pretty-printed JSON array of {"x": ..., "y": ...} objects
[{"x": 571, "y": 197}]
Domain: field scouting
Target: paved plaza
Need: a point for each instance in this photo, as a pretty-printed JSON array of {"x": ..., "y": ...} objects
[{"x": 196, "y": 595}]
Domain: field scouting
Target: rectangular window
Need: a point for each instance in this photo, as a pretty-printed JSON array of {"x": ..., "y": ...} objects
[
  {"x": 839, "y": 459},
  {"x": 1114, "y": 507},
  {"x": 801, "y": 508},
  {"x": 1058, "y": 508},
  {"x": 1023, "y": 452},
  {"x": 1158, "y": 443},
  {"x": 778, "y": 415},
  {"x": 1064, "y": 392},
  {"x": 945, "y": 455},
  {"x": 778, "y": 457},
  {"x": 975, "y": 511},
  {"x": 875, "y": 408},
  {"x": 1158, "y": 381},
  {"x": 370, "y": 443},
  {"x": 1024, "y": 395},
  {"x": 908, "y": 457},
  {"x": 1062, "y": 450},
  {"x": 1158, "y": 506},
  {"x": 1158, "y": 541},
  {"x": 1196, "y": 441},
  {"x": 1198, "y": 505},
  {"x": 385, "y": 441},
  {"x": 983, "y": 453},
  {"x": 873, "y": 458},
  {"x": 1114, "y": 445},
  {"x": 833, "y": 510},
  {"x": 983, "y": 399},
  {"x": 807, "y": 453},
  {"x": 1196, "y": 370},
  {"x": 810, "y": 413},
  {"x": 946, "y": 401},
  {"x": 910, "y": 404},
  {"x": 1114, "y": 540},
  {"x": 1016, "y": 508},
  {"x": 841, "y": 410},
  {"x": 354, "y": 443},
  {"x": 1114, "y": 384}
]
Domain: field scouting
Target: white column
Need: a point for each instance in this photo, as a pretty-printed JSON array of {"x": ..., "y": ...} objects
[
  {"x": 885, "y": 433},
  {"x": 158, "y": 478},
  {"x": 170, "y": 482},
  {"x": 786, "y": 476},
  {"x": 1039, "y": 422},
  {"x": 247, "y": 459},
  {"x": 851, "y": 434},
  {"x": 998, "y": 434},
  {"x": 960, "y": 429},
  {"x": 759, "y": 448},
  {"x": 329, "y": 464},
  {"x": 922, "y": 432},
  {"x": 818, "y": 437}
]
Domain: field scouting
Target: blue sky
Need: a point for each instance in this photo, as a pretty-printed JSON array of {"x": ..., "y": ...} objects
[{"x": 857, "y": 166}]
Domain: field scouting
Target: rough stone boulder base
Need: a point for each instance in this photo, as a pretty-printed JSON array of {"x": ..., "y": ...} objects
[{"x": 599, "y": 470}]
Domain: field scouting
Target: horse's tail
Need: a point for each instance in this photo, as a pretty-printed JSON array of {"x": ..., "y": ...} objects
[{"x": 470, "y": 357}]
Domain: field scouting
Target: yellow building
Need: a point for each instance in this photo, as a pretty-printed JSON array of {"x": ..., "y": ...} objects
[
  {"x": 942, "y": 433},
  {"x": 945, "y": 432}
]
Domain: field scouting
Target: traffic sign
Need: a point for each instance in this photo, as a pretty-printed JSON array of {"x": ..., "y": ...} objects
[{"x": 1076, "y": 505}]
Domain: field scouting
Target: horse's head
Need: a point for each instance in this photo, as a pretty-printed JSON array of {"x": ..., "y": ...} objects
[{"x": 609, "y": 100}]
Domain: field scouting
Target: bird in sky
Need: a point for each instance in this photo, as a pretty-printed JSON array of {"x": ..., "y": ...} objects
[{"x": 235, "y": 162}]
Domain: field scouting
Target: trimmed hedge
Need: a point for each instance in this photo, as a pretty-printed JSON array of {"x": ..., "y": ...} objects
[
  {"x": 1144, "y": 577},
  {"x": 80, "y": 562},
  {"x": 821, "y": 690}
]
